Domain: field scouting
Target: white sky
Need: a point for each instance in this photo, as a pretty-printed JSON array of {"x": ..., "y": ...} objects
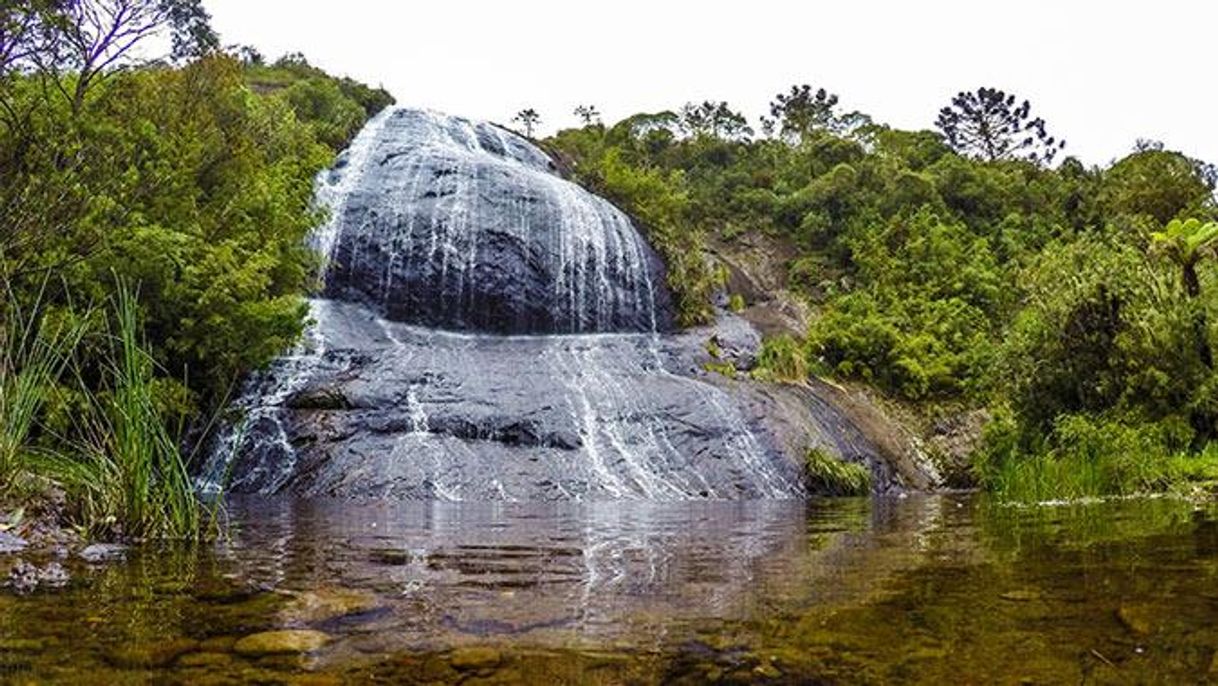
[{"x": 1101, "y": 74}]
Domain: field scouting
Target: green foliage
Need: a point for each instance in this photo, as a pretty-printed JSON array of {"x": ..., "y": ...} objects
[
  {"x": 1105, "y": 327},
  {"x": 127, "y": 475},
  {"x": 918, "y": 329},
  {"x": 186, "y": 183},
  {"x": 1087, "y": 457},
  {"x": 977, "y": 276},
  {"x": 120, "y": 464},
  {"x": 1158, "y": 185},
  {"x": 195, "y": 186},
  {"x": 335, "y": 108},
  {"x": 33, "y": 354},
  {"x": 736, "y": 303},
  {"x": 782, "y": 358},
  {"x": 827, "y": 475}
]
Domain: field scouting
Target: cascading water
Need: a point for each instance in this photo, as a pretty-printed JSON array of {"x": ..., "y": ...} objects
[
  {"x": 490, "y": 331},
  {"x": 445, "y": 223}
]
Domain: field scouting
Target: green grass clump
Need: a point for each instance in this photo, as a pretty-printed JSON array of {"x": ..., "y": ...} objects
[
  {"x": 828, "y": 475},
  {"x": 736, "y": 303},
  {"x": 782, "y": 358},
  {"x": 33, "y": 353},
  {"x": 1087, "y": 457},
  {"x": 121, "y": 466}
]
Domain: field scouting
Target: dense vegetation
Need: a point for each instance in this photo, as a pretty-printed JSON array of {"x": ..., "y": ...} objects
[
  {"x": 152, "y": 249},
  {"x": 955, "y": 270}
]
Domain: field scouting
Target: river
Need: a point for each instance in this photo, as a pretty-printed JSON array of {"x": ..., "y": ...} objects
[{"x": 922, "y": 589}]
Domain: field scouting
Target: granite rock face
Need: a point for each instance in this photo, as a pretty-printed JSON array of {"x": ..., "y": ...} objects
[
  {"x": 452, "y": 224},
  {"x": 391, "y": 410},
  {"x": 490, "y": 331}
]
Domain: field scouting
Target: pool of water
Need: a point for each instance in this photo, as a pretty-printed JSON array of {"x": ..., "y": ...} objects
[{"x": 923, "y": 589}]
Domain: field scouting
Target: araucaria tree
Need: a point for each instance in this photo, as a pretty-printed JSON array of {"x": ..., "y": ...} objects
[
  {"x": 992, "y": 125},
  {"x": 588, "y": 114},
  {"x": 529, "y": 119},
  {"x": 714, "y": 119},
  {"x": 803, "y": 110}
]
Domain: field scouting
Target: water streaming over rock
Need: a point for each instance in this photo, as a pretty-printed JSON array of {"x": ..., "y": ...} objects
[
  {"x": 491, "y": 331},
  {"x": 442, "y": 222}
]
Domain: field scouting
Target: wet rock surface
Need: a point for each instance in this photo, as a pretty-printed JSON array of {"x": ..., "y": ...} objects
[
  {"x": 11, "y": 543},
  {"x": 464, "y": 225},
  {"x": 441, "y": 223},
  {"x": 99, "y": 553},
  {"x": 418, "y": 414},
  {"x": 27, "y": 577}
]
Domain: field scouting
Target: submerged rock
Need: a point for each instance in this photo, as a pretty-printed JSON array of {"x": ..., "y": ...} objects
[
  {"x": 11, "y": 543},
  {"x": 284, "y": 642},
  {"x": 25, "y": 577},
  {"x": 22, "y": 645},
  {"x": 103, "y": 552},
  {"x": 1022, "y": 595},
  {"x": 205, "y": 660},
  {"x": 473, "y": 658},
  {"x": 150, "y": 655},
  {"x": 1138, "y": 619},
  {"x": 323, "y": 605}
]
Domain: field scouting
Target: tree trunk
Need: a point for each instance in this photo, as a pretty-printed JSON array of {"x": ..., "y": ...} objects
[
  {"x": 1192, "y": 285},
  {"x": 1203, "y": 422}
]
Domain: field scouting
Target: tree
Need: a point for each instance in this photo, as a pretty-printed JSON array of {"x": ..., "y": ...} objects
[
  {"x": 1158, "y": 184},
  {"x": 529, "y": 119},
  {"x": 803, "y": 111},
  {"x": 989, "y": 124},
  {"x": 248, "y": 54},
  {"x": 1186, "y": 243},
  {"x": 76, "y": 43},
  {"x": 800, "y": 113},
  {"x": 588, "y": 114},
  {"x": 714, "y": 119}
]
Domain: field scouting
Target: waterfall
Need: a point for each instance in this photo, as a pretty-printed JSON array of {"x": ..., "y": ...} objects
[
  {"x": 488, "y": 331},
  {"x": 442, "y": 222}
]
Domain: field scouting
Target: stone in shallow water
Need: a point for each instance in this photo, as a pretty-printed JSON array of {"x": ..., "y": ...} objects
[
  {"x": 103, "y": 552},
  {"x": 475, "y": 657},
  {"x": 284, "y": 642},
  {"x": 25, "y": 577},
  {"x": 151, "y": 655},
  {"x": 1138, "y": 619},
  {"x": 10, "y": 543},
  {"x": 21, "y": 645},
  {"x": 218, "y": 644},
  {"x": 325, "y": 604},
  {"x": 205, "y": 660},
  {"x": 1022, "y": 595}
]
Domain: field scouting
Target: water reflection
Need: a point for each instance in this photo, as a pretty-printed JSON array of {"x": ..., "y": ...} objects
[
  {"x": 512, "y": 568},
  {"x": 917, "y": 589}
]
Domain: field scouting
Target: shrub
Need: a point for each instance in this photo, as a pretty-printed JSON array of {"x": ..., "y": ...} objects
[
  {"x": 827, "y": 475},
  {"x": 782, "y": 358}
]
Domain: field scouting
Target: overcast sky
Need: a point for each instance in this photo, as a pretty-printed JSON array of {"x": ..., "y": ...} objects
[{"x": 1101, "y": 74}]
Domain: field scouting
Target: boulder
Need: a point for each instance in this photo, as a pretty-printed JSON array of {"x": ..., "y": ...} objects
[{"x": 286, "y": 642}]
